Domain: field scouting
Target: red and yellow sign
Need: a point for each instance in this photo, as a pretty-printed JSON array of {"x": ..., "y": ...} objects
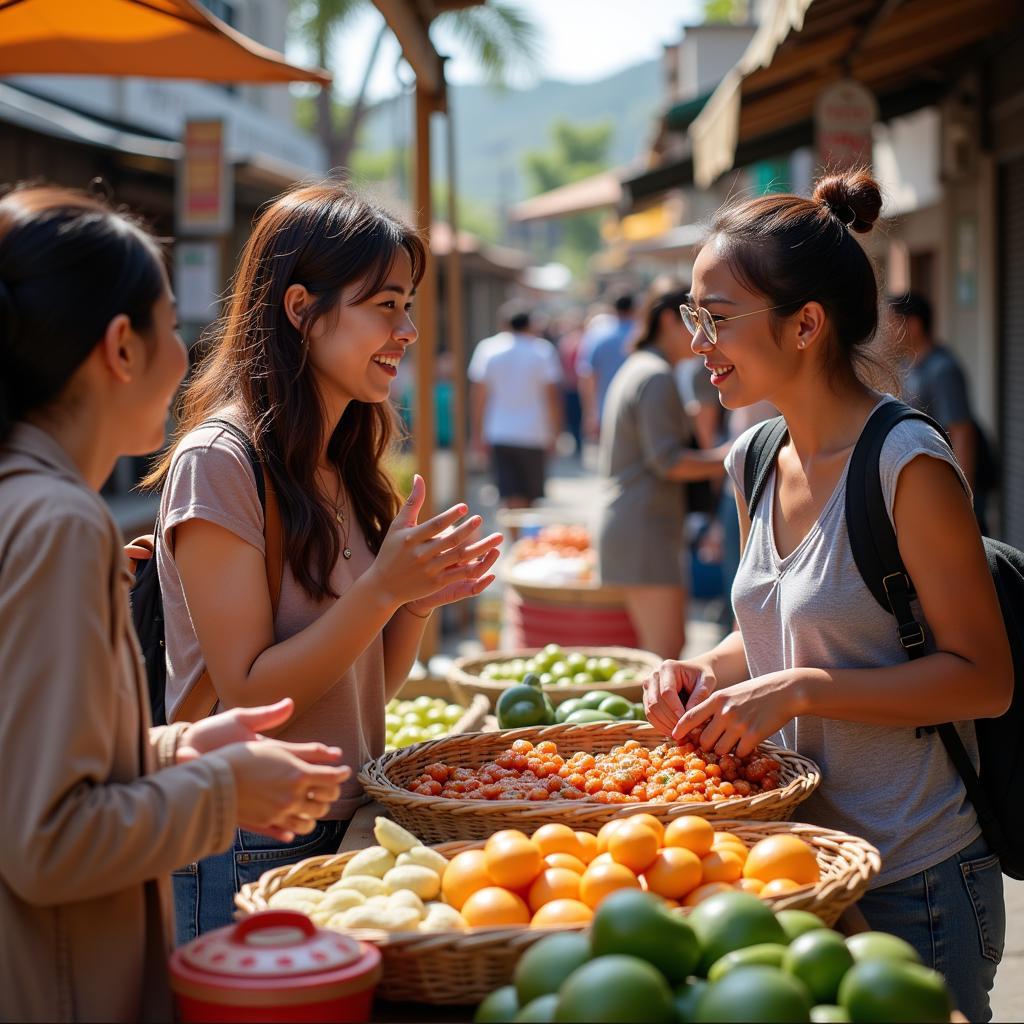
[{"x": 204, "y": 183}]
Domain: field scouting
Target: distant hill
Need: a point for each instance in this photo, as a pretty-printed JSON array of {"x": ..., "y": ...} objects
[{"x": 494, "y": 128}]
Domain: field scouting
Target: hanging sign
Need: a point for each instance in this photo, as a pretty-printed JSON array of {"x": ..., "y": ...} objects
[
  {"x": 843, "y": 118},
  {"x": 205, "y": 202}
]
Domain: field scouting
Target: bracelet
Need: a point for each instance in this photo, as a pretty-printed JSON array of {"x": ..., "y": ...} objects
[{"x": 417, "y": 614}]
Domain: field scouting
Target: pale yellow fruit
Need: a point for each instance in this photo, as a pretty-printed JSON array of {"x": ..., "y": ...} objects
[
  {"x": 374, "y": 860},
  {"x": 392, "y": 836}
]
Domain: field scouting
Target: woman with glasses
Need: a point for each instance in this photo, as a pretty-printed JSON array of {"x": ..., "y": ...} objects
[
  {"x": 646, "y": 455},
  {"x": 783, "y": 306}
]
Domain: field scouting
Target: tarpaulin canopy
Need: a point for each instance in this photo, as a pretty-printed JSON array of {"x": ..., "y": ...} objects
[
  {"x": 803, "y": 46},
  {"x": 152, "y": 38}
]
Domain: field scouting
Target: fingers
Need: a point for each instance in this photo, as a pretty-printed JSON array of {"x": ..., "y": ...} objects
[
  {"x": 274, "y": 832},
  {"x": 448, "y": 542},
  {"x": 269, "y": 716},
  {"x": 654, "y": 708},
  {"x": 409, "y": 512},
  {"x": 440, "y": 522},
  {"x": 459, "y": 572},
  {"x": 695, "y": 717},
  {"x": 315, "y": 753}
]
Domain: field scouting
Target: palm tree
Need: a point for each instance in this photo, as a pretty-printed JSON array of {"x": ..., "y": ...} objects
[{"x": 498, "y": 35}]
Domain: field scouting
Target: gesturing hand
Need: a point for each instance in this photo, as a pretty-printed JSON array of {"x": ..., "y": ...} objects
[{"x": 419, "y": 561}]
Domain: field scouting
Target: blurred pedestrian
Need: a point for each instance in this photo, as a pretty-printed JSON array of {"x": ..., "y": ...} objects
[
  {"x": 646, "y": 454},
  {"x": 302, "y": 365},
  {"x": 569, "y": 331},
  {"x": 99, "y": 806},
  {"x": 516, "y": 404},
  {"x": 604, "y": 349},
  {"x": 934, "y": 382}
]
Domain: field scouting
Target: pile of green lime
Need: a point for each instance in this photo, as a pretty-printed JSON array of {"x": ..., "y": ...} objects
[
  {"x": 554, "y": 666},
  {"x": 527, "y": 704},
  {"x": 732, "y": 959},
  {"x": 419, "y": 719}
]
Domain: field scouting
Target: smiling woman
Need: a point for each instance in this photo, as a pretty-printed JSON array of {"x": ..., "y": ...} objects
[{"x": 301, "y": 369}]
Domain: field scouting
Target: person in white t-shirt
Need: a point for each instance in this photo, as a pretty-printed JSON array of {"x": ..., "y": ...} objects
[{"x": 516, "y": 406}]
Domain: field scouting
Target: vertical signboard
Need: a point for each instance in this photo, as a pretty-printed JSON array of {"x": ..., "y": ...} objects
[
  {"x": 205, "y": 200},
  {"x": 843, "y": 118}
]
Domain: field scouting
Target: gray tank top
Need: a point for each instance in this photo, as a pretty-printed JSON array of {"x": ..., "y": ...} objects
[{"x": 811, "y": 609}]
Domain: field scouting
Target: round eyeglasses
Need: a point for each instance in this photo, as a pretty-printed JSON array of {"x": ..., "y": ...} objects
[{"x": 697, "y": 317}]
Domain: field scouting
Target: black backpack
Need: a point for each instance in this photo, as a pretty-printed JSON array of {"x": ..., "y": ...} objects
[
  {"x": 147, "y": 602},
  {"x": 995, "y": 790}
]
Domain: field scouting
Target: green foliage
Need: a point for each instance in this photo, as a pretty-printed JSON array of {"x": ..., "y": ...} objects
[
  {"x": 578, "y": 151},
  {"x": 717, "y": 11}
]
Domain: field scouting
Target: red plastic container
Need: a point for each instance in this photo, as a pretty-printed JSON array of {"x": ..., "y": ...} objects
[{"x": 274, "y": 966}]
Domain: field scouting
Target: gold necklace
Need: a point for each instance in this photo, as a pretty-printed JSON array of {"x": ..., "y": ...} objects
[{"x": 339, "y": 515}]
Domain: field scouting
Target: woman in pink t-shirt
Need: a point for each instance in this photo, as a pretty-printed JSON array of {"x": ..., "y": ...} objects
[{"x": 302, "y": 365}]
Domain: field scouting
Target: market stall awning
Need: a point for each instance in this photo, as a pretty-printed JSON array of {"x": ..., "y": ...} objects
[
  {"x": 151, "y": 38},
  {"x": 598, "y": 192},
  {"x": 805, "y": 45}
]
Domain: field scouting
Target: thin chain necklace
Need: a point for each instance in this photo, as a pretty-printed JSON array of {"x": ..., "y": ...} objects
[{"x": 343, "y": 520}]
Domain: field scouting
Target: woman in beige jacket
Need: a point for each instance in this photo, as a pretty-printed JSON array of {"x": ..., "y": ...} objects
[{"x": 99, "y": 807}]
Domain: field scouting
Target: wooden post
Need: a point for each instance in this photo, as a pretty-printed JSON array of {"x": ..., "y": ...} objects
[
  {"x": 426, "y": 304},
  {"x": 426, "y": 321},
  {"x": 456, "y": 332}
]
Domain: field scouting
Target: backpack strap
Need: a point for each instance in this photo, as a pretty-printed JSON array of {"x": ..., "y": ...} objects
[
  {"x": 877, "y": 554},
  {"x": 201, "y": 700},
  {"x": 872, "y": 537},
  {"x": 762, "y": 452}
]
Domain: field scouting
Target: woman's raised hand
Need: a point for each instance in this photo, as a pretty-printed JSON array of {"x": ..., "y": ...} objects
[{"x": 433, "y": 563}]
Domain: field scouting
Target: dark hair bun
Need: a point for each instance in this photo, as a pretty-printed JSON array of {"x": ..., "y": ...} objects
[{"x": 853, "y": 197}]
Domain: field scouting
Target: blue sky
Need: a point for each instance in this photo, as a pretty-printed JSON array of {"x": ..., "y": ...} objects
[{"x": 583, "y": 40}]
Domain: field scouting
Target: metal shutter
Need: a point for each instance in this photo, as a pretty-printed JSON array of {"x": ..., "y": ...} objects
[{"x": 1011, "y": 262}]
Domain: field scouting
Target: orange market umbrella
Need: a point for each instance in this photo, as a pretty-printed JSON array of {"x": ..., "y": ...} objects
[{"x": 152, "y": 38}]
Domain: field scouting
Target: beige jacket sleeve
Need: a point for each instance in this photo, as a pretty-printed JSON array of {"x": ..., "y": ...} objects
[{"x": 79, "y": 819}]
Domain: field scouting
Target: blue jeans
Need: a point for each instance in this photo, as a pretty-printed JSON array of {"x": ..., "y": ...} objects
[
  {"x": 954, "y": 916},
  {"x": 204, "y": 891}
]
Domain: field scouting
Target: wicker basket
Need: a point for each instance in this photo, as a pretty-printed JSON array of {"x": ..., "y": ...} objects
[
  {"x": 440, "y": 819},
  {"x": 464, "y": 674},
  {"x": 463, "y": 967}
]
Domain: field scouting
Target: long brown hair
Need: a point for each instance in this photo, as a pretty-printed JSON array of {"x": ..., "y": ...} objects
[{"x": 324, "y": 237}]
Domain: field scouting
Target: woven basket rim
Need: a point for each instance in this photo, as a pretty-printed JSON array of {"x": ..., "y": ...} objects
[
  {"x": 375, "y": 779},
  {"x": 862, "y": 861}
]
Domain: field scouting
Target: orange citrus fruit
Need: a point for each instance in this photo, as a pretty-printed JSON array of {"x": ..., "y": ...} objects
[
  {"x": 703, "y": 892},
  {"x": 493, "y": 906},
  {"x": 674, "y": 872},
  {"x": 601, "y": 879},
  {"x": 604, "y": 858},
  {"x": 691, "y": 832},
  {"x": 606, "y": 830},
  {"x": 588, "y": 846},
  {"x": 751, "y": 885},
  {"x": 465, "y": 874},
  {"x": 634, "y": 845},
  {"x": 778, "y": 886},
  {"x": 562, "y": 912},
  {"x": 512, "y": 860},
  {"x": 734, "y": 847},
  {"x": 652, "y": 823},
  {"x": 553, "y": 884},
  {"x": 782, "y": 856},
  {"x": 721, "y": 866},
  {"x": 565, "y": 860},
  {"x": 556, "y": 838}
]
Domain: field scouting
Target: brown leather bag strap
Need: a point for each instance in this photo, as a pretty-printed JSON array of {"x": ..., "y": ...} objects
[{"x": 201, "y": 701}]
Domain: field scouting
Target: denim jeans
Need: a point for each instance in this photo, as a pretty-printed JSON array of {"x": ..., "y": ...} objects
[
  {"x": 204, "y": 891},
  {"x": 954, "y": 916}
]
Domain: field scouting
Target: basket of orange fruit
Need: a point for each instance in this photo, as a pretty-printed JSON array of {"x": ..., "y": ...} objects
[
  {"x": 491, "y": 900},
  {"x": 469, "y": 786}
]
